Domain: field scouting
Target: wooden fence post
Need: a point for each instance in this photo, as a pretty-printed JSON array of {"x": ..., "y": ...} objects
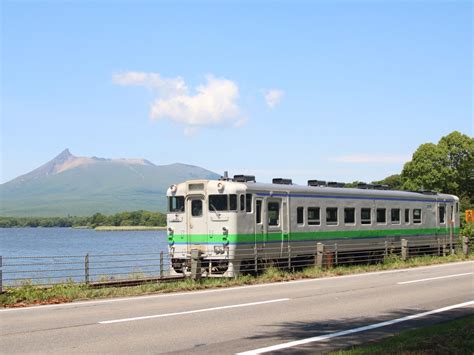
[
  {"x": 319, "y": 254},
  {"x": 465, "y": 245},
  {"x": 405, "y": 252},
  {"x": 196, "y": 264}
]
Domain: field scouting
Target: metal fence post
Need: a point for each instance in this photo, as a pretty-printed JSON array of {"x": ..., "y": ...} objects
[
  {"x": 319, "y": 254},
  {"x": 255, "y": 258},
  {"x": 336, "y": 255},
  {"x": 196, "y": 264},
  {"x": 465, "y": 245},
  {"x": 385, "y": 253},
  {"x": 161, "y": 264},
  {"x": 439, "y": 246},
  {"x": 451, "y": 244},
  {"x": 86, "y": 269},
  {"x": 404, "y": 249},
  {"x": 444, "y": 246},
  {"x": 289, "y": 257}
]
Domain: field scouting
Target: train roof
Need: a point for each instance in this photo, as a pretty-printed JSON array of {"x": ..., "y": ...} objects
[
  {"x": 343, "y": 191},
  {"x": 295, "y": 190}
]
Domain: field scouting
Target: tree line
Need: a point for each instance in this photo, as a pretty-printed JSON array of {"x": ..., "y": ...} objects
[{"x": 134, "y": 218}]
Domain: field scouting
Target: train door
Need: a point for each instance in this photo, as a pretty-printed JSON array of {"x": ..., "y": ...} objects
[
  {"x": 259, "y": 225},
  {"x": 196, "y": 222},
  {"x": 285, "y": 228},
  {"x": 451, "y": 227},
  {"x": 274, "y": 222}
]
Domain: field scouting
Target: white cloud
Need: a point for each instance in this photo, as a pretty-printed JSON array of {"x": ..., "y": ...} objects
[
  {"x": 213, "y": 103},
  {"x": 273, "y": 97},
  {"x": 153, "y": 81},
  {"x": 373, "y": 158}
]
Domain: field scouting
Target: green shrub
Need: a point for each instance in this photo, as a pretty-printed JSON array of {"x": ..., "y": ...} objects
[{"x": 468, "y": 231}]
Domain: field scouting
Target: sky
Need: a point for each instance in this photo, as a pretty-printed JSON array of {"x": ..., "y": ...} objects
[{"x": 328, "y": 90}]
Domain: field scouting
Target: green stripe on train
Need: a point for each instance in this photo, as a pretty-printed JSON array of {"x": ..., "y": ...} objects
[{"x": 303, "y": 236}]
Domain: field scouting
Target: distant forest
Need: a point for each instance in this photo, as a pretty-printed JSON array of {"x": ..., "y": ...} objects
[{"x": 135, "y": 218}]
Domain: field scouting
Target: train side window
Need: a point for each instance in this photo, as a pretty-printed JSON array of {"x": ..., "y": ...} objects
[
  {"x": 233, "y": 202},
  {"x": 407, "y": 216},
  {"x": 248, "y": 202},
  {"x": 273, "y": 213},
  {"x": 457, "y": 207},
  {"x": 381, "y": 215},
  {"x": 196, "y": 208},
  {"x": 258, "y": 214},
  {"x": 417, "y": 215},
  {"x": 441, "y": 214},
  {"x": 300, "y": 215},
  {"x": 349, "y": 215},
  {"x": 242, "y": 202},
  {"x": 331, "y": 216},
  {"x": 365, "y": 216},
  {"x": 314, "y": 216},
  {"x": 395, "y": 215}
]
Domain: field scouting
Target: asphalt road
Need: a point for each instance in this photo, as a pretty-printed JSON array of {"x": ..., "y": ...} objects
[{"x": 363, "y": 307}]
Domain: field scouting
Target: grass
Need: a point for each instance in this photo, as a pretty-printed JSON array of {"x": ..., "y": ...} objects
[
  {"x": 29, "y": 294},
  {"x": 452, "y": 337}
]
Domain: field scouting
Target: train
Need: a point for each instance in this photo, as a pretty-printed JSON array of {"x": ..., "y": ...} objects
[{"x": 236, "y": 223}]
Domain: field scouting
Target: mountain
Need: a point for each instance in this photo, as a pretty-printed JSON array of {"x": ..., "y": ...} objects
[{"x": 71, "y": 185}]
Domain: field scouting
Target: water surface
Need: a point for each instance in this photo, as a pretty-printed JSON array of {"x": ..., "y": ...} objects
[{"x": 50, "y": 255}]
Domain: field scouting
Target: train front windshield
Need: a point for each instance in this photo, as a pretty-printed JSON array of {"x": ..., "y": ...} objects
[{"x": 176, "y": 204}]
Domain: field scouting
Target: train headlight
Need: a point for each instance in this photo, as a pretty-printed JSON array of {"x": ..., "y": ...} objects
[
  {"x": 173, "y": 188},
  {"x": 218, "y": 249},
  {"x": 220, "y": 186}
]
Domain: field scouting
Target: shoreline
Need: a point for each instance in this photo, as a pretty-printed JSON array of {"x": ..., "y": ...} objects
[{"x": 129, "y": 228}]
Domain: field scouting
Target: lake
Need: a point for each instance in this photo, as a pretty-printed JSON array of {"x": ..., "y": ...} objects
[{"x": 49, "y": 255}]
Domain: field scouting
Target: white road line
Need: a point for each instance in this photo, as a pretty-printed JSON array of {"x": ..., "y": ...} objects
[
  {"x": 194, "y": 311},
  {"x": 229, "y": 289},
  {"x": 434, "y": 278},
  {"x": 351, "y": 331}
]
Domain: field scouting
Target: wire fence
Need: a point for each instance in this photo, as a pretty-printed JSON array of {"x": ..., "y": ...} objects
[
  {"x": 116, "y": 269},
  {"x": 89, "y": 268},
  {"x": 325, "y": 254}
]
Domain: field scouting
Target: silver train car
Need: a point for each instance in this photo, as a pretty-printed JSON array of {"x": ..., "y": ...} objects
[{"x": 235, "y": 223}]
